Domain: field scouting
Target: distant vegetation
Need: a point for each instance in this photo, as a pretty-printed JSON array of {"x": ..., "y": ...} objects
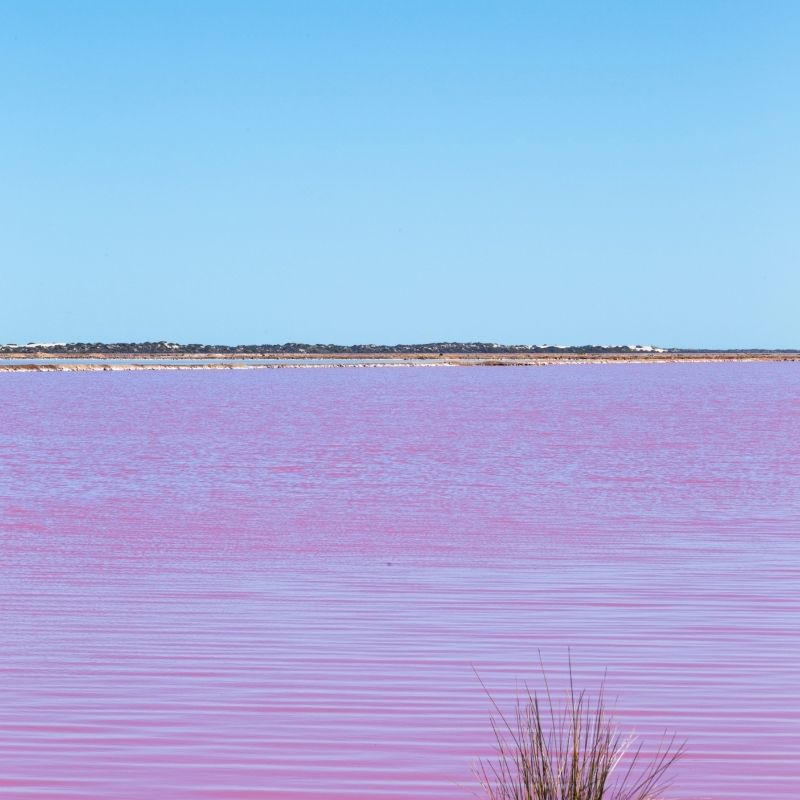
[{"x": 171, "y": 349}]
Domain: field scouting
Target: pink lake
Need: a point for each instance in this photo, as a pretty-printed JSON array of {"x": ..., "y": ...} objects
[{"x": 278, "y": 584}]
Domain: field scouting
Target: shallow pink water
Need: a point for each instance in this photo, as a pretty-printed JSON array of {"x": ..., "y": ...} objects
[{"x": 276, "y": 584}]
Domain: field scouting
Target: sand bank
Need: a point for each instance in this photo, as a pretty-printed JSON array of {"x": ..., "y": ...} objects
[{"x": 122, "y": 363}]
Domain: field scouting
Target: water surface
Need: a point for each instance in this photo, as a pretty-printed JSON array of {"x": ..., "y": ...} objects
[{"x": 278, "y": 584}]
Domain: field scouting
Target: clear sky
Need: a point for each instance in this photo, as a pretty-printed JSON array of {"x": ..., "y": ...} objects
[{"x": 240, "y": 172}]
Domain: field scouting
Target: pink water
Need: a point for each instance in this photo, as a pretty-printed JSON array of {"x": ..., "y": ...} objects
[{"x": 276, "y": 584}]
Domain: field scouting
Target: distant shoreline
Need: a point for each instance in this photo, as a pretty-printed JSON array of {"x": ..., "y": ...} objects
[{"x": 46, "y": 361}]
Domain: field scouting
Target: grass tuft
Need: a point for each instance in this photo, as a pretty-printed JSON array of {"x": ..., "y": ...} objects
[{"x": 570, "y": 751}]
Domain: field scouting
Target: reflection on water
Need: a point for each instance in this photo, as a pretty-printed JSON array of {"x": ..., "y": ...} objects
[{"x": 277, "y": 584}]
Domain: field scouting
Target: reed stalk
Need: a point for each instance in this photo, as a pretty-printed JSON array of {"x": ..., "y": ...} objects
[{"x": 570, "y": 751}]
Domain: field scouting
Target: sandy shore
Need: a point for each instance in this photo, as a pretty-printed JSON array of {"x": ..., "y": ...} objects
[{"x": 106, "y": 363}]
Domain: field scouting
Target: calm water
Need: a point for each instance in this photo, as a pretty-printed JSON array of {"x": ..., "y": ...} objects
[{"x": 276, "y": 584}]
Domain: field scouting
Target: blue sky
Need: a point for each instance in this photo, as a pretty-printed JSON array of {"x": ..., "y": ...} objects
[{"x": 239, "y": 172}]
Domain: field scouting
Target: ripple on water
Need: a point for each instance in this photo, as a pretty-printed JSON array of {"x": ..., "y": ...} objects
[{"x": 280, "y": 584}]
